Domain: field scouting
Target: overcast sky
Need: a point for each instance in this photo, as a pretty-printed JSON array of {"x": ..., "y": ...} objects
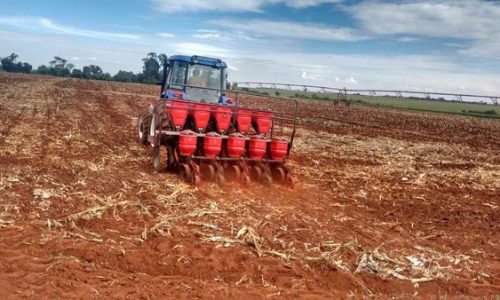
[{"x": 451, "y": 46}]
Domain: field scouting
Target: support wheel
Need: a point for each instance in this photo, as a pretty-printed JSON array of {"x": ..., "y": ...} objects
[
  {"x": 156, "y": 159},
  {"x": 209, "y": 172},
  {"x": 219, "y": 178},
  {"x": 185, "y": 173},
  {"x": 234, "y": 173},
  {"x": 289, "y": 180},
  {"x": 196, "y": 179},
  {"x": 267, "y": 180},
  {"x": 256, "y": 173},
  {"x": 245, "y": 179},
  {"x": 171, "y": 162},
  {"x": 142, "y": 131},
  {"x": 279, "y": 175}
]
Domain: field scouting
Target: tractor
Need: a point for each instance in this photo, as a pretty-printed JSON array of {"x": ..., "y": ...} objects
[{"x": 210, "y": 133}]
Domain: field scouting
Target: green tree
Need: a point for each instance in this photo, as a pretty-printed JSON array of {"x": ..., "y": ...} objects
[
  {"x": 105, "y": 76},
  {"x": 24, "y": 67},
  {"x": 60, "y": 67},
  {"x": 124, "y": 76},
  {"x": 43, "y": 70},
  {"x": 92, "y": 72},
  {"x": 151, "y": 68},
  {"x": 9, "y": 63},
  {"x": 77, "y": 73},
  {"x": 162, "y": 59}
]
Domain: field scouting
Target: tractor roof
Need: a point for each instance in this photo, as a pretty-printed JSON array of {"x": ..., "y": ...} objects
[{"x": 201, "y": 60}]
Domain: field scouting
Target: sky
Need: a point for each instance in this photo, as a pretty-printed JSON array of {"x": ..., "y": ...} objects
[{"x": 440, "y": 45}]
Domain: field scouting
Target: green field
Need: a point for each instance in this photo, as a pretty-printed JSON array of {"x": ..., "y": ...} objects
[{"x": 451, "y": 107}]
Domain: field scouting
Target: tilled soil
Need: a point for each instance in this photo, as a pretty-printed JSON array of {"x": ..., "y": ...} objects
[{"x": 387, "y": 203}]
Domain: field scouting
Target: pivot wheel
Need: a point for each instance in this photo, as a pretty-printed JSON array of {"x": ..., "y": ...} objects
[
  {"x": 234, "y": 173},
  {"x": 185, "y": 173}
]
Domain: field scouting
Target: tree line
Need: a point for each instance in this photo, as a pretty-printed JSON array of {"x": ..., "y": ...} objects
[{"x": 151, "y": 71}]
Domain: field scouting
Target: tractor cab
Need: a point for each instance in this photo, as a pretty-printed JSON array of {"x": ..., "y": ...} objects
[{"x": 194, "y": 78}]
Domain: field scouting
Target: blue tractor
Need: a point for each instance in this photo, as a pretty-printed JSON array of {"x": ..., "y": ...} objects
[{"x": 209, "y": 135}]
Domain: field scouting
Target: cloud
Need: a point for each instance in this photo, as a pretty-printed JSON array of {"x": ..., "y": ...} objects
[
  {"x": 201, "y": 49},
  {"x": 305, "y": 75},
  {"x": 349, "y": 80},
  {"x": 292, "y": 30},
  {"x": 407, "y": 39},
  {"x": 219, "y": 35},
  {"x": 308, "y": 3},
  {"x": 47, "y": 25},
  {"x": 369, "y": 71},
  {"x": 174, "y": 6},
  {"x": 165, "y": 35},
  {"x": 209, "y": 34},
  {"x": 473, "y": 21}
]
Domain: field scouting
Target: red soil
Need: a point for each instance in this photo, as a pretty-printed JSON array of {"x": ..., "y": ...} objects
[{"x": 388, "y": 203}]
